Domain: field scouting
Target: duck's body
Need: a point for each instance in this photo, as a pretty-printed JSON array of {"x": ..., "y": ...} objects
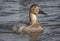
[{"x": 33, "y": 28}]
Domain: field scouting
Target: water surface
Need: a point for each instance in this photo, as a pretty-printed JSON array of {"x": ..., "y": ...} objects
[{"x": 12, "y": 11}]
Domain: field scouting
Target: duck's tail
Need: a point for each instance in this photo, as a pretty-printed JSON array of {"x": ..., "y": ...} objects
[{"x": 19, "y": 28}]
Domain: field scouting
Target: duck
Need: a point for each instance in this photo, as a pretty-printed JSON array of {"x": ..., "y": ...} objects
[{"x": 34, "y": 29}]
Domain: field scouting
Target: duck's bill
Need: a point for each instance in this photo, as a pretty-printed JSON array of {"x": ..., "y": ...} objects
[{"x": 42, "y": 12}]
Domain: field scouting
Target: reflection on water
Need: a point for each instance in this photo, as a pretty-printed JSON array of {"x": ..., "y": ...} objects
[{"x": 12, "y": 11}]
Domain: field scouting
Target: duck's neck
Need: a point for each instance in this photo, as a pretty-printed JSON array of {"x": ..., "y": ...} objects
[{"x": 33, "y": 18}]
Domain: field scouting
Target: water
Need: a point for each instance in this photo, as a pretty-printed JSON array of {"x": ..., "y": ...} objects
[{"x": 12, "y": 11}]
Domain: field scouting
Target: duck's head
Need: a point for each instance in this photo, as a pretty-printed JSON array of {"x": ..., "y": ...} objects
[{"x": 35, "y": 9}]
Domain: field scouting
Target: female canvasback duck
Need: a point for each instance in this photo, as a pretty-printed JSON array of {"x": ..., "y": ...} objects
[{"x": 34, "y": 29}]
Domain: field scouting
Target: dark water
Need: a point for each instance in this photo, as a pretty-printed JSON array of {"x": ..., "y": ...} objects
[{"x": 17, "y": 10}]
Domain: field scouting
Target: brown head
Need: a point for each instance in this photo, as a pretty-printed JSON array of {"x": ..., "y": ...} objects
[{"x": 35, "y": 9}]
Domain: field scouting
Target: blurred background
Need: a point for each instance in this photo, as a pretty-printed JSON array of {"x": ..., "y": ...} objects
[{"x": 13, "y": 11}]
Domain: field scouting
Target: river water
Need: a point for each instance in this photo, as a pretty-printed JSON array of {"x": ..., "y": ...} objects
[{"x": 13, "y": 11}]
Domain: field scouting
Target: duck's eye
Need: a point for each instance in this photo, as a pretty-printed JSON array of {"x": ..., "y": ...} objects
[{"x": 35, "y": 7}]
